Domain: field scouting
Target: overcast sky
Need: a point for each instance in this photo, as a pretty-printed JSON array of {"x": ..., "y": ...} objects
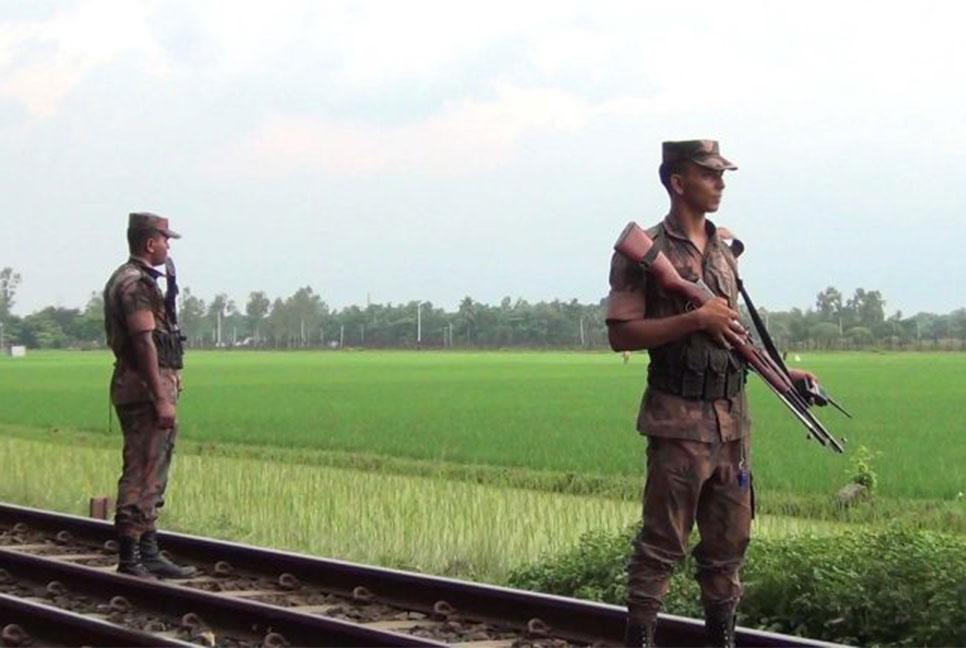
[{"x": 409, "y": 150}]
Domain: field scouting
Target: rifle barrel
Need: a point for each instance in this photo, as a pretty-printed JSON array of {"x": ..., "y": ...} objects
[
  {"x": 837, "y": 406},
  {"x": 804, "y": 420}
]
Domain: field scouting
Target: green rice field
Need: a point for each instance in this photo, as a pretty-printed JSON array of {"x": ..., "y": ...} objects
[
  {"x": 563, "y": 413},
  {"x": 464, "y": 464}
]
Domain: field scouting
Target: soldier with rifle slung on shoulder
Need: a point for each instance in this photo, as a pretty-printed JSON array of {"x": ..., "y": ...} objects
[
  {"x": 674, "y": 291},
  {"x": 141, "y": 326}
]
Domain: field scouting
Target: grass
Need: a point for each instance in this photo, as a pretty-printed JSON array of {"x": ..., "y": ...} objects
[
  {"x": 943, "y": 515},
  {"x": 424, "y": 523},
  {"x": 551, "y": 413}
]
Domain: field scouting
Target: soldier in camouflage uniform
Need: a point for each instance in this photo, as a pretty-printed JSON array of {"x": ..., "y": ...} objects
[
  {"x": 694, "y": 412},
  {"x": 144, "y": 391}
]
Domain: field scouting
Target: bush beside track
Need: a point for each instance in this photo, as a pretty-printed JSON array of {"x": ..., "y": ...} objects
[{"x": 896, "y": 586}]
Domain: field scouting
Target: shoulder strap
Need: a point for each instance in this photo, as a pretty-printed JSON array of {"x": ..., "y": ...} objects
[
  {"x": 759, "y": 325},
  {"x": 730, "y": 253}
]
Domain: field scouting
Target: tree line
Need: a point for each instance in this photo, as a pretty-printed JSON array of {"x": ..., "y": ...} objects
[{"x": 304, "y": 320}]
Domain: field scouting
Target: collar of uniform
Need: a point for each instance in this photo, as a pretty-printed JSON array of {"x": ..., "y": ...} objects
[
  {"x": 671, "y": 229},
  {"x": 144, "y": 266}
]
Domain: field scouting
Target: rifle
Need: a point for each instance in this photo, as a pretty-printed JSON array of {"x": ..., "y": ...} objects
[
  {"x": 171, "y": 306},
  {"x": 811, "y": 391},
  {"x": 637, "y": 246}
]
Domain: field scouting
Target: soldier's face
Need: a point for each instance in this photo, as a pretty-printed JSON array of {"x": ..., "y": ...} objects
[
  {"x": 701, "y": 188},
  {"x": 157, "y": 248}
]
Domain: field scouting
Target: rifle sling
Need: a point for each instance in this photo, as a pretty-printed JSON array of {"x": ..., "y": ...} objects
[
  {"x": 737, "y": 248},
  {"x": 763, "y": 334}
]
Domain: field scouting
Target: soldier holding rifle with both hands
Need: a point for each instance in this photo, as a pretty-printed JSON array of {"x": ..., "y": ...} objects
[{"x": 694, "y": 412}]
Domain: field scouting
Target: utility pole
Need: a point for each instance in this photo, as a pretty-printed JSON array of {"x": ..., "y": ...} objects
[
  {"x": 341, "y": 335},
  {"x": 582, "y": 343},
  {"x": 419, "y": 324}
]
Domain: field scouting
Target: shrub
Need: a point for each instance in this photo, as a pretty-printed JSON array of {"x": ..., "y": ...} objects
[
  {"x": 896, "y": 586},
  {"x": 861, "y": 470}
]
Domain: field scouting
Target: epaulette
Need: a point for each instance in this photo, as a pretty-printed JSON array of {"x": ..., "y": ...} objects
[
  {"x": 736, "y": 247},
  {"x": 128, "y": 272}
]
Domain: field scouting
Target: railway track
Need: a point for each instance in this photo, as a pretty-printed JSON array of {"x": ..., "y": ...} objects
[{"x": 248, "y": 596}]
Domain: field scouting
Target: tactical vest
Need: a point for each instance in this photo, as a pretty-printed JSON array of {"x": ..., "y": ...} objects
[
  {"x": 170, "y": 348},
  {"x": 695, "y": 367}
]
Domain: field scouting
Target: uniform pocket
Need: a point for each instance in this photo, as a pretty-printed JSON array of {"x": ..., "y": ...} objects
[{"x": 695, "y": 365}]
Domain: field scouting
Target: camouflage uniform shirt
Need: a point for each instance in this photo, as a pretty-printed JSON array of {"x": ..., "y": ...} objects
[
  {"x": 131, "y": 288},
  {"x": 633, "y": 296}
]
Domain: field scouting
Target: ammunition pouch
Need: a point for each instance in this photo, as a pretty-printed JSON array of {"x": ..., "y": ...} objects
[
  {"x": 696, "y": 369},
  {"x": 170, "y": 348}
]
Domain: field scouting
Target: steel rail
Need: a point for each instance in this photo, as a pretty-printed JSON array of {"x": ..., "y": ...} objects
[
  {"x": 45, "y": 625},
  {"x": 240, "y": 616},
  {"x": 575, "y": 620}
]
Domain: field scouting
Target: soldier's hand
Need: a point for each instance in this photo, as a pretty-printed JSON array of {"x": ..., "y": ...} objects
[
  {"x": 802, "y": 374},
  {"x": 165, "y": 412},
  {"x": 717, "y": 318},
  {"x": 807, "y": 385}
]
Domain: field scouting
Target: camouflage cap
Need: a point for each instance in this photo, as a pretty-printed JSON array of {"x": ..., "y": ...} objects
[
  {"x": 701, "y": 152},
  {"x": 148, "y": 221}
]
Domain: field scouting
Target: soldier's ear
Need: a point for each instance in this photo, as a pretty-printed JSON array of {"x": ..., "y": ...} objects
[
  {"x": 151, "y": 244},
  {"x": 677, "y": 184}
]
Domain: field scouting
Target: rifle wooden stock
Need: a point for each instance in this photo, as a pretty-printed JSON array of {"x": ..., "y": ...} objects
[{"x": 636, "y": 245}]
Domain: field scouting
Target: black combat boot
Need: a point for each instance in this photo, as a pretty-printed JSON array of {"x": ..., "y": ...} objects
[
  {"x": 157, "y": 564},
  {"x": 129, "y": 559},
  {"x": 719, "y": 625},
  {"x": 640, "y": 635}
]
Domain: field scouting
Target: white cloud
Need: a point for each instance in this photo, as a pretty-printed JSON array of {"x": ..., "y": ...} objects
[
  {"x": 391, "y": 41},
  {"x": 463, "y": 136},
  {"x": 711, "y": 53},
  {"x": 839, "y": 92},
  {"x": 41, "y": 62},
  {"x": 559, "y": 50},
  {"x": 369, "y": 44}
]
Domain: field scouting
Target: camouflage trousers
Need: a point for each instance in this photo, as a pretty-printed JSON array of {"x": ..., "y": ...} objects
[
  {"x": 688, "y": 482},
  {"x": 144, "y": 477}
]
